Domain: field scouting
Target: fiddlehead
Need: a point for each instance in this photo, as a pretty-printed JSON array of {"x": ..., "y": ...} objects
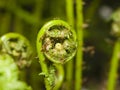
[
  {"x": 18, "y": 47},
  {"x": 57, "y": 42}
]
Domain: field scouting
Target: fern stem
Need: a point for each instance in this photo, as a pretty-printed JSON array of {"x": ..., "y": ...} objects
[
  {"x": 5, "y": 25},
  {"x": 78, "y": 66},
  {"x": 114, "y": 67},
  {"x": 70, "y": 19}
]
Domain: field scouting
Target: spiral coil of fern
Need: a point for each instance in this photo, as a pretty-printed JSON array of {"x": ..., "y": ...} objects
[
  {"x": 56, "y": 41},
  {"x": 18, "y": 47}
]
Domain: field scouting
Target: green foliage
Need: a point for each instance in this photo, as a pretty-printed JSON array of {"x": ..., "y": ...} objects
[{"x": 9, "y": 75}]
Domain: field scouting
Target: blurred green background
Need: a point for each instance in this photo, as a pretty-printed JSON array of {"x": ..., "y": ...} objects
[{"x": 28, "y": 16}]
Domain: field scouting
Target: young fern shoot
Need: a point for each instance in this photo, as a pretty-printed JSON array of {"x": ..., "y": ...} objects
[
  {"x": 56, "y": 42},
  {"x": 18, "y": 47}
]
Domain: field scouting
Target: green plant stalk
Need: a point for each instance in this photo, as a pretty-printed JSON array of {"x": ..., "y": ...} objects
[
  {"x": 114, "y": 66},
  {"x": 70, "y": 19},
  {"x": 38, "y": 9},
  {"x": 70, "y": 12},
  {"x": 58, "y": 11},
  {"x": 79, "y": 55},
  {"x": 18, "y": 26},
  {"x": 89, "y": 14},
  {"x": 43, "y": 64},
  {"x": 5, "y": 25},
  {"x": 22, "y": 14},
  {"x": 60, "y": 76}
]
